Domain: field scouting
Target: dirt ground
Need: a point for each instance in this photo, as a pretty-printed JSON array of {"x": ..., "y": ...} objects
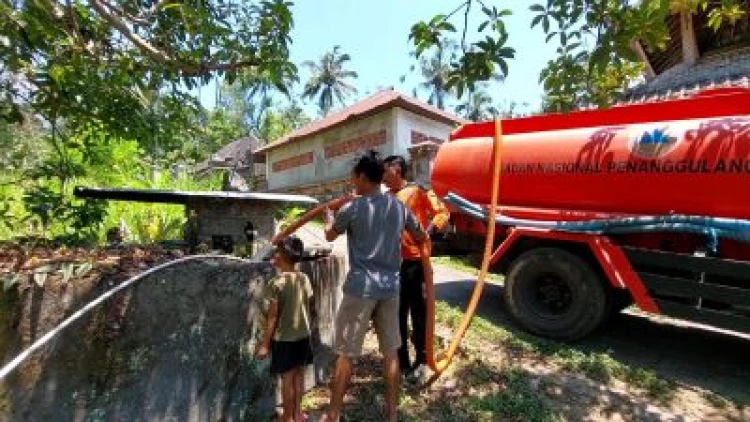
[{"x": 488, "y": 381}]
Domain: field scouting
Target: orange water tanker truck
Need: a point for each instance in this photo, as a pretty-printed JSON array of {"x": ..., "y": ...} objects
[{"x": 646, "y": 204}]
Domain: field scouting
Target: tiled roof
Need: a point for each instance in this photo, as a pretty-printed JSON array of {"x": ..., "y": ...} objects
[
  {"x": 234, "y": 154},
  {"x": 375, "y": 103},
  {"x": 731, "y": 69}
]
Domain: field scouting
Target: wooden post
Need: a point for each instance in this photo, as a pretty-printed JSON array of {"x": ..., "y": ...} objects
[
  {"x": 690, "y": 51},
  {"x": 637, "y": 48}
]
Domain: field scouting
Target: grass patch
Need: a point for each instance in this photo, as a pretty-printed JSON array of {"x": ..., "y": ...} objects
[
  {"x": 597, "y": 365},
  {"x": 478, "y": 374},
  {"x": 316, "y": 223},
  {"x": 516, "y": 400},
  {"x": 467, "y": 264}
]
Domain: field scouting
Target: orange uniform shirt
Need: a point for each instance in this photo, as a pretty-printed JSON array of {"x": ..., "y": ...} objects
[{"x": 428, "y": 210}]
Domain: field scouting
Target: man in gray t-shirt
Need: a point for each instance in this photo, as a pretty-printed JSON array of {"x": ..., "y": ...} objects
[
  {"x": 374, "y": 223},
  {"x": 370, "y": 222}
]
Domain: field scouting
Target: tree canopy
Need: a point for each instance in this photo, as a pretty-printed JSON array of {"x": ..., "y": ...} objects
[
  {"x": 77, "y": 61},
  {"x": 594, "y": 62}
]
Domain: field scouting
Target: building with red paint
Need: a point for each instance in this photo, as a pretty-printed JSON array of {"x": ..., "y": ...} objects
[{"x": 317, "y": 158}]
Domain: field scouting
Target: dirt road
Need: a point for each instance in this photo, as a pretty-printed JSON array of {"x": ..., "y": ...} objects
[{"x": 690, "y": 354}]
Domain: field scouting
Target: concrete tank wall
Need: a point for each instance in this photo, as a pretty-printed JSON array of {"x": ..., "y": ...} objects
[{"x": 177, "y": 346}]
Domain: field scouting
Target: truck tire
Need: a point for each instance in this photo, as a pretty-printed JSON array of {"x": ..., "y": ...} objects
[{"x": 555, "y": 294}]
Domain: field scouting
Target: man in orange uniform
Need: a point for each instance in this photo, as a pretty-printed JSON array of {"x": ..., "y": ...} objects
[{"x": 433, "y": 215}]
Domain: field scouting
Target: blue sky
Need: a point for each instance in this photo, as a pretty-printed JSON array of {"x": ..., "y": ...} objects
[{"x": 375, "y": 34}]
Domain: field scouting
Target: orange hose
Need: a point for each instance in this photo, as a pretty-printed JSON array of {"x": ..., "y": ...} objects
[
  {"x": 333, "y": 205},
  {"x": 439, "y": 366}
]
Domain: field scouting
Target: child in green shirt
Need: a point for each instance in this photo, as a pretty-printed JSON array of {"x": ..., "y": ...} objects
[{"x": 287, "y": 333}]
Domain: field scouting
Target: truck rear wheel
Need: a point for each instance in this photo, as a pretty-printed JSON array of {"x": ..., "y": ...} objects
[{"x": 554, "y": 293}]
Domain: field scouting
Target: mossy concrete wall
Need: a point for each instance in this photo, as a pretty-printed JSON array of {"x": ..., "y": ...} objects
[{"x": 174, "y": 347}]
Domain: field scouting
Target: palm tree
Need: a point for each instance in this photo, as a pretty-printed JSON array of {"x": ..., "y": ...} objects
[
  {"x": 328, "y": 80},
  {"x": 435, "y": 71},
  {"x": 249, "y": 98},
  {"x": 477, "y": 107}
]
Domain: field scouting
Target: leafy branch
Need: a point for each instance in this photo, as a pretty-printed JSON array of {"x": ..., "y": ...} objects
[{"x": 482, "y": 60}]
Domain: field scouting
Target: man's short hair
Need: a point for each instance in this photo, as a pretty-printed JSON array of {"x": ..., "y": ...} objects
[
  {"x": 399, "y": 161},
  {"x": 371, "y": 166}
]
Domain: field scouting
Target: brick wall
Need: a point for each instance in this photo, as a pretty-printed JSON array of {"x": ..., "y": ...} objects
[
  {"x": 419, "y": 137},
  {"x": 349, "y": 146},
  {"x": 293, "y": 162}
]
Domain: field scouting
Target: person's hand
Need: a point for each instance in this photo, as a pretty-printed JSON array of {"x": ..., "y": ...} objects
[
  {"x": 329, "y": 217},
  {"x": 261, "y": 351}
]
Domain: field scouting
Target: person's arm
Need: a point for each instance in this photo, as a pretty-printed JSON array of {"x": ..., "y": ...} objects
[
  {"x": 272, "y": 322},
  {"x": 413, "y": 227},
  {"x": 440, "y": 213},
  {"x": 336, "y": 226}
]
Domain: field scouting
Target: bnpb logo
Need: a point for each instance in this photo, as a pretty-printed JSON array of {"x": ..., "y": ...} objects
[{"x": 653, "y": 142}]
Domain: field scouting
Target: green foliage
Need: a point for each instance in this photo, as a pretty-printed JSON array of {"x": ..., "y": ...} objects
[
  {"x": 282, "y": 121},
  {"x": 250, "y": 105},
  {"x": 478, "y": 107},
  {"x": 518, "y": 400},
  {"x": 96, "y": 60},
  {"x": 155, "y": 222},
  {"x": 328, "y": 80},
  {"x": 80, "y": 217},
  {"x": 481, "y": 60},
  {"x": 288, "y": 215},
  {"x": 436, "y": 70},
  {"x": 221, "y": 129},
  {"x": 21, "y": 145},
  {"x": 92, "y": 93},
  {"x": 598, "y": 75},
  {"x": 151, "y": 226},
  {"x": 595, "y": 63},
  {"x": 38, "y": 202},
  {"x": 728, "y": 12}
]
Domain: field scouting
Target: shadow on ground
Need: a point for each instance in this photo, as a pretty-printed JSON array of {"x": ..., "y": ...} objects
[{"x": 691, "y": 355}]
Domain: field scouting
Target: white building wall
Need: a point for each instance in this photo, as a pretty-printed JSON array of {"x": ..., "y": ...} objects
[
  {"x": 328, "y": 156},
  {"x": 333, "y": 152},
  {"x": 410, "y": 124}
]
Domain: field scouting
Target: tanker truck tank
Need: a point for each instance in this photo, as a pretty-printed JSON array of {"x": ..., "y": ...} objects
[{"x": 624, "y": 166}]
